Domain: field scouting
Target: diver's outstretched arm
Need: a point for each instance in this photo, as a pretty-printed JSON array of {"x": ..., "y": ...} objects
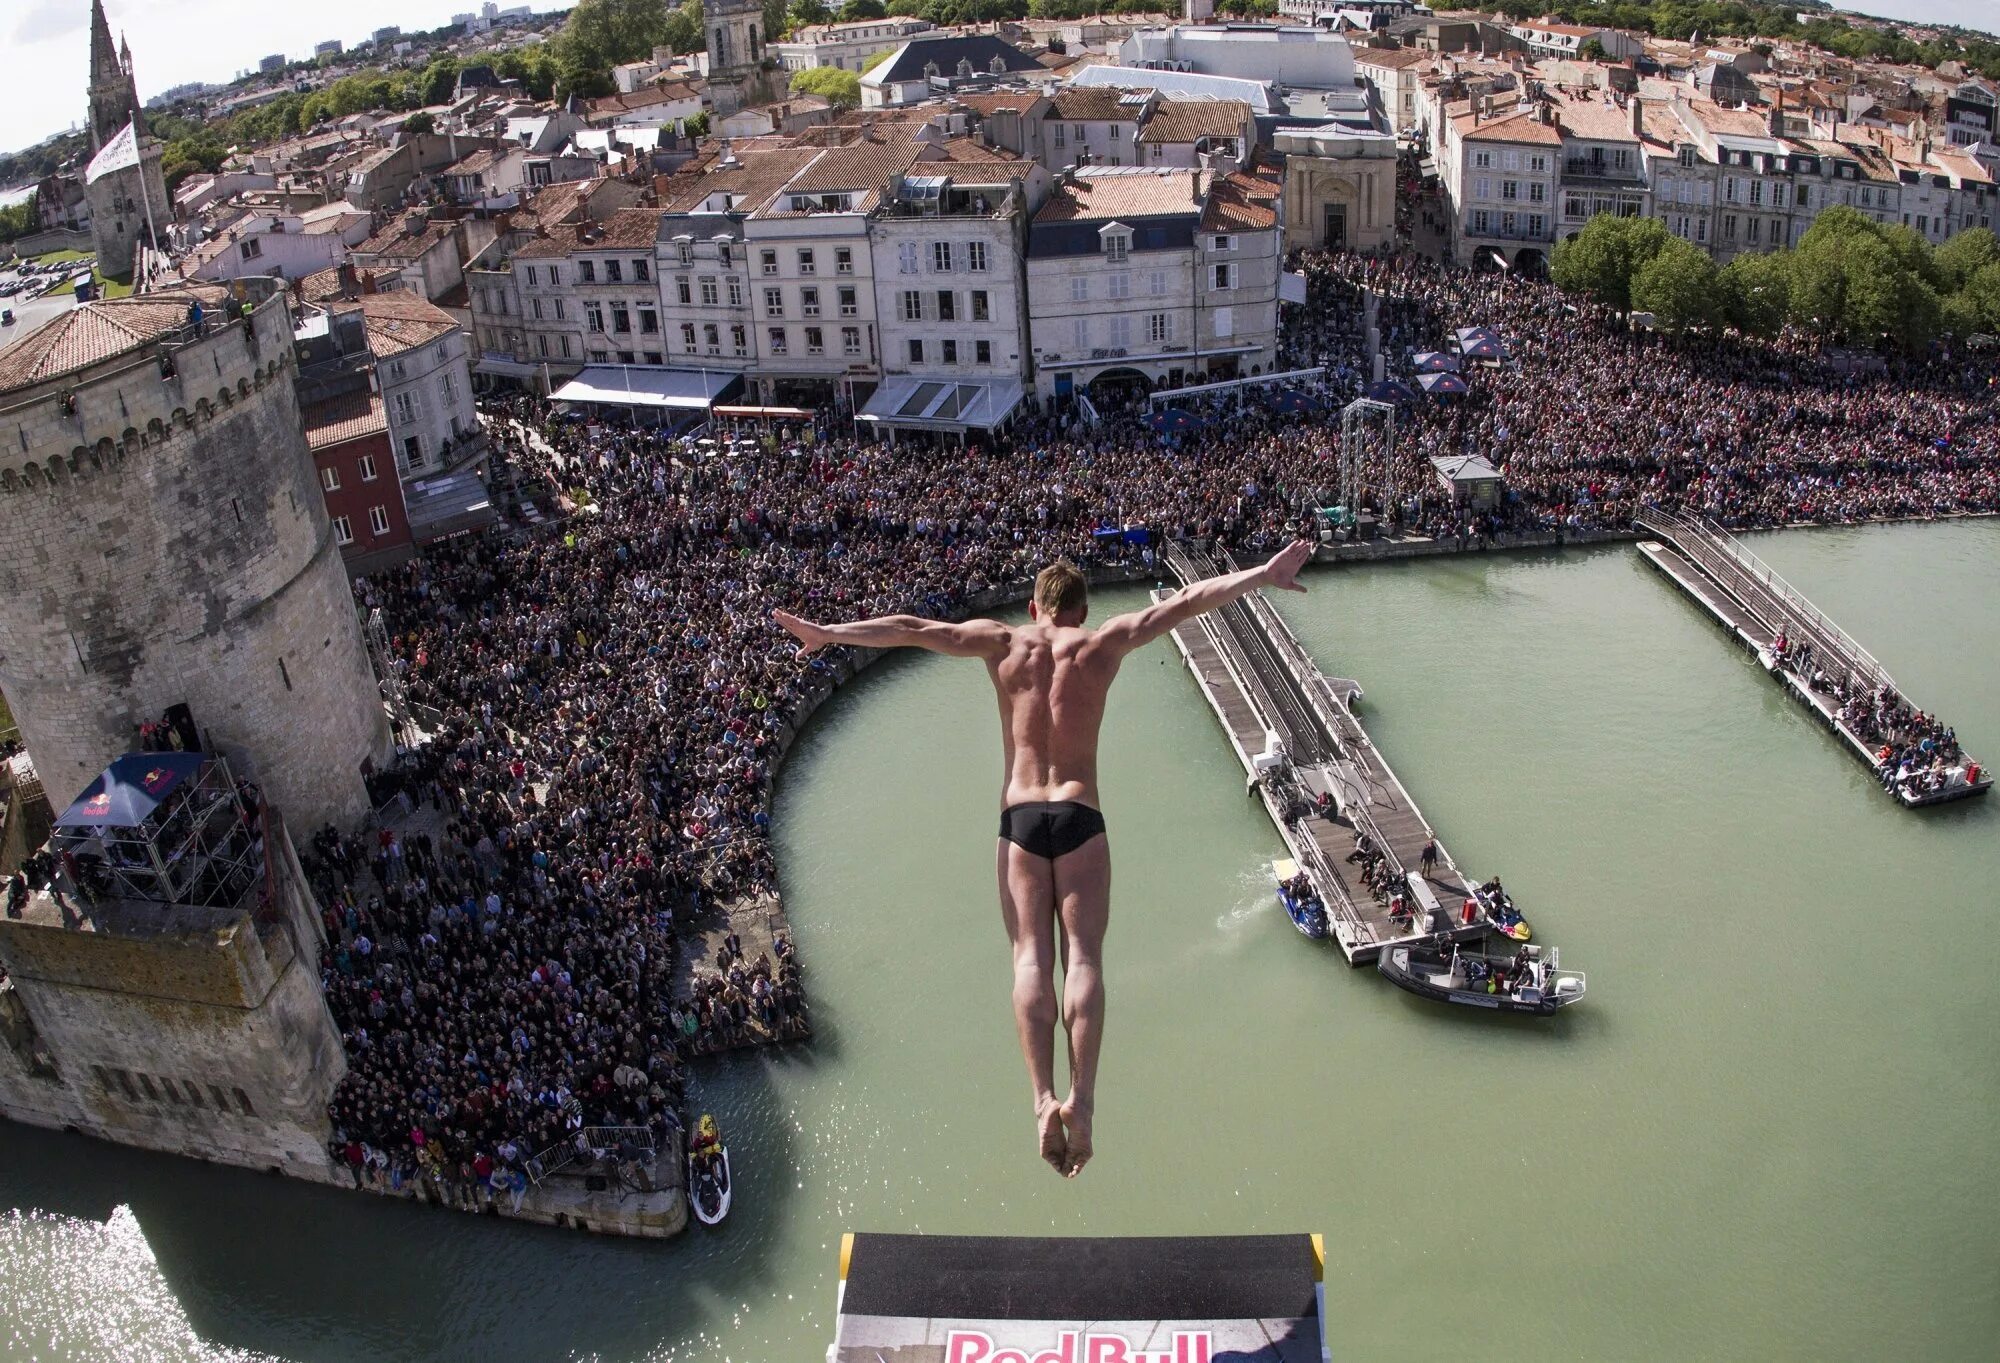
[
  {"x": 1128, "y": 632},
  {"x": 966, "y": 639}
]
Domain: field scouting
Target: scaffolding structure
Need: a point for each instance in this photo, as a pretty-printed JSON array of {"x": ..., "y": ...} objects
[
  {"x": 162, "y": 828},
  {"x": 1367, "y": 436},
  {"x": 390, "y": 676}
]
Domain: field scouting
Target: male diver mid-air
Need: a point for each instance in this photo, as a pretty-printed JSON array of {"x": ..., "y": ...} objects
[{"x": 1052, "y": 676}]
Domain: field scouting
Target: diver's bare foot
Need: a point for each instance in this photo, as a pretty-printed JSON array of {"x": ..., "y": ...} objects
[
  {"x": 1076, "y": 1127},
  {"x": 1048, "y": 1120}
]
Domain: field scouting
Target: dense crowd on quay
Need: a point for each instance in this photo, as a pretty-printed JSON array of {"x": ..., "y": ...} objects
[{"x": 507, "y": 983}]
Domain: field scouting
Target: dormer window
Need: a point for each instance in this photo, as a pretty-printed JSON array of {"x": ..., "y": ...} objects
[
  {"x": 965, "y": 70},
  {"x": 997, "y": 66},
  {"x": 1117, "y": 239}
]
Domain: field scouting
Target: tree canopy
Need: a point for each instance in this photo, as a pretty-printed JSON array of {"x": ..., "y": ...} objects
[
  {"x": 841, "y": 88},
  {"x": 1850, "y": 278}
]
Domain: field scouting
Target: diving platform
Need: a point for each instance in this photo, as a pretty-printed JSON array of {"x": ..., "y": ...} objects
[
  {"x": 1819, "y": 664},
  {"x": 1324, "y": 784},
  {"x": 995, "y": 1299}
]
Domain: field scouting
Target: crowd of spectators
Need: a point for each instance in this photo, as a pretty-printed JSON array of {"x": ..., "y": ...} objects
[{"x": 606, "y": 696}]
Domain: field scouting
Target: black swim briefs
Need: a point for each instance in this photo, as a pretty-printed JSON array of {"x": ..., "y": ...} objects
[{"x": 1050, "y": 829}]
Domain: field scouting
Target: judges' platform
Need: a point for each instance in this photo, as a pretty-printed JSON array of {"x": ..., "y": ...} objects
[{"x": 976, "y": 1299}]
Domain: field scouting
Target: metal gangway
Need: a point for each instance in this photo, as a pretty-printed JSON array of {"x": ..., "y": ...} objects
[
  {"x": 1262, "y": 684},
  {"x": 1777, "y": 605}
]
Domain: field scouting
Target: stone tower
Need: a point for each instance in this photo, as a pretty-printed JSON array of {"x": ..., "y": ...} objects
[
  {"x": 735, "y": 53},
  {"x": 163, "y": 542},
  {"x": 128, "y": 204},
  {"x": 193, "y": 1028}
]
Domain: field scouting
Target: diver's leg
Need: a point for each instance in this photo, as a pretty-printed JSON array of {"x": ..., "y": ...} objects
[
  {"x": 1027, "y": 907},
  {"x": 1083, "y": 902}
]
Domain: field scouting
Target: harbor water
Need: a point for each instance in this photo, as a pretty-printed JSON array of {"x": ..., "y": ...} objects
[{"x": 1768, "y": 1132}]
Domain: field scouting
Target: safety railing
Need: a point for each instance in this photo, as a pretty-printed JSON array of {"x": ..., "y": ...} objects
[
  {"x": 1781, "y": 607},
  {"x": 592, "y": 1143}
]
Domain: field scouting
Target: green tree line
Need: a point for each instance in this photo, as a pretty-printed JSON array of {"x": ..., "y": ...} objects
[
  {"x": 1679, "y": 19},
  {"x": 1850, "y": 278}
]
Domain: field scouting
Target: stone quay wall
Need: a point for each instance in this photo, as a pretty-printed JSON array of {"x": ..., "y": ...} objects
[{"x": 163, "y": 539}]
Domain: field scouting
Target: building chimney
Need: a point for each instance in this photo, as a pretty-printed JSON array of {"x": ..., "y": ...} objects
[
  {"x": 1778, "y": 114},
  {"x": 349, "y": 285},
  {"x": 1637, "y": 108}
]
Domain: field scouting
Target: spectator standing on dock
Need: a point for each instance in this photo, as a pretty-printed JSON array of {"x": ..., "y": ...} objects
[
  {"x": 1430, "y": 854},
  {"x": 1053, "y": 677}
]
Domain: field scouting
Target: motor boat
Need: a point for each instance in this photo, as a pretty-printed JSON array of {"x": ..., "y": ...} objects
[
  {"x": 709, "y": 1184},
  {"x": 1295, "y": 892},
  {"x": 1529, "y": 981}
]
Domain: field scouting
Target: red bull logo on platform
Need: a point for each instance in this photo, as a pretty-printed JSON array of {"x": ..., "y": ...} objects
[{"x": 1073, "y": 1346}]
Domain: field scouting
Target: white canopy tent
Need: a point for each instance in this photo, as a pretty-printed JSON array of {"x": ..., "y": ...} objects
[
  {"x": 659, "y": 391},
  {"x": 942, "y": 404}
]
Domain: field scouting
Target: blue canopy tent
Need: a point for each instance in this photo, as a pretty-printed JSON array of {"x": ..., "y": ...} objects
[
  {"x": 1391, "y": 390},
  {"x": 1291, "y": 400},
  {"x": 1480, "y": 343},
  {"x": 129, "y": 790},
  {"x": 1443, "y": 385},
  {"x": 1173, "y": 419},
  {"x": 1434, "y": 362}
]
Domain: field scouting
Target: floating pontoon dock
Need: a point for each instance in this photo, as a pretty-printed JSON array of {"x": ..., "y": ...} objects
[
  {"x": 1294, "y": 730},
  {"x": 1757, "y": 607}
]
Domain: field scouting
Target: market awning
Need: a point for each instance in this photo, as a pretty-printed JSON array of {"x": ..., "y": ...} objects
[
  {"x": 129, "y": 790},
  {"x": 942, "y": 404},
  {"x": 767, "y": 413},
  {"x": 1291, "y": 287},
  {"x": 618, "y": 385}
]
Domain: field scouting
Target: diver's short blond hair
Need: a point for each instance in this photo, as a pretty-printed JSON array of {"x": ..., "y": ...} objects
[{"x": 1060, "y": 589}]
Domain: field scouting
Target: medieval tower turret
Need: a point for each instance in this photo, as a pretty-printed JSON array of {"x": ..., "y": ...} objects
[
  {"x": 164, "y": 542},
  {"x": 128, "y": 199}
]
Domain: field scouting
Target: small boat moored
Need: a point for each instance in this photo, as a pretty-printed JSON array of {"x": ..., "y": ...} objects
[
  {"x": 1529, "y": 981},
  {"x": 1500, "y": 911},
  {"x": 1296, "y": 893},
  {"x": 708, "y": 1173}
]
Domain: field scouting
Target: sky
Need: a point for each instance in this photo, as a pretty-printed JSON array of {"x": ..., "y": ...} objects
[{"x": 45, "y": 44}]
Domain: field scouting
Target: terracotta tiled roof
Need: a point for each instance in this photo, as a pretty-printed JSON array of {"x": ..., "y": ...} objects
[
  {"x": 1243, "y": 201},
  {"x": 669, "y": 93},
  {"x": 999, "y": 101},
  {"x": 753, "y": 180},
  {"x": 1099, "y": 103},
  {"x": 1102, "y": 194},
  {"x": 1590, "y": 117},
  {"x": 338, "y": 420},
  {"x": 324, "y": 285},
  {"x": 627, "y": 229},
  {"x": 1391, "y": 58},
  {"x": 100, "y": 331},
  {"x": 860, "y": 167},
  {"x": 1190, "y": 120},
  {"x": 1521, "y": 127},
  {"x": 562, "y": 238},
  {"x": 399, "y": 321},
  {"x": 398, "y": 242}
]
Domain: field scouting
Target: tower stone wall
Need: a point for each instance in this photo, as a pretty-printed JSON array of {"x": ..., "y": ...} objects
[
  {"x": 163, "y": 540},
  {"x": 194, "y": 1031}
]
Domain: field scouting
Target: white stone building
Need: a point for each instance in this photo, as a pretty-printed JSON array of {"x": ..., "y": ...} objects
[
  {"x": 947, "y": 241},
  {"x": 847, "y": 47},
  {"x": 423, "y": 371},
  {"x": 1153, "y": 276}
]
